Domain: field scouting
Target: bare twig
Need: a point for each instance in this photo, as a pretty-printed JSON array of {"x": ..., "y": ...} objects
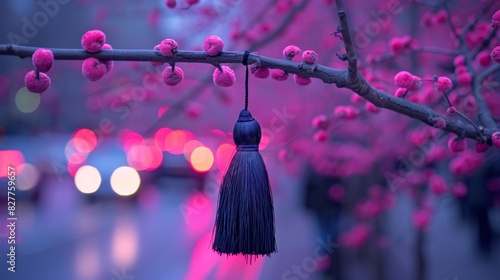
[
  {"x": 464, "y": 116},
  {"x": 423, "y": 49},
  {"x": 345, "y": 30}
]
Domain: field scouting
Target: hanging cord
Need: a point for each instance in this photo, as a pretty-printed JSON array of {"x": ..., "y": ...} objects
[{"x": 245, "y": 62}]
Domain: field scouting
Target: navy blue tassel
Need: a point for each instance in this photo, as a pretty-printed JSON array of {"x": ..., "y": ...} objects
[{"x": 245, "y": 214}]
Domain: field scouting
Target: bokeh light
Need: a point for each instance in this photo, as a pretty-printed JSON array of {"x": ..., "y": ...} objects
[
  {"x": 131, "y": 139},
  {"x": 202, "y": 159},
  {"x": 125, "y": 180},
  {"x": 26, "y": 101},
  {"x": 12, "y": 158},
  {"x": 224, "y": 153},
  {"x": 160, "y": 137},
  {"x": 77, "y": 158},
  {"x": 87, "y": 261},
  {"x": 124, "y": 244},
  {"x": 87, "y": 179},
  {"x": 144, "y": 157},
  {"x": 175, "y": 141},
  {"x": 27, "y": 177},
  {"x": 264, "y": 141},
  {"x": 189, "y": 148},
  {"x": 84, "y": 140}
]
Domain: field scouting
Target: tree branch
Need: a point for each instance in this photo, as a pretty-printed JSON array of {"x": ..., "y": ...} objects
[
  {"x": 326, "y": 74},
  {"x": 345, "y": 30},
  {"x": 484, "y": 114}
]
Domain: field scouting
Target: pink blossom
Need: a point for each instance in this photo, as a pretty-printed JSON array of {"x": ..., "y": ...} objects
[
  {"x": 427, "y": 19},
  {"x": 93, "y": 40},
  {"x": 356, "y": 98},
  {"x": 466, "y": 163},
  {"x": 93, "y": 69},
  {"x": 396, "y": 44},
  {"x": 301, "y": 81},
  {"x": 291, "y": 51},
  {"x": 495, "y": 19},
  {"x": 441, "y": 17},
  {"x": 320, "y": 136},
  {"x": 459, "y": 60},
  {"x": 224, "y": 78},
  {"x": 495, "y": 54},
  {"x": 157, "y": 63},
  {"x": 367, "y": 209},
  {"x": 484, "y": 58},
  {"x": 481, "y": 147},
  {"x": 213, "y": 45},
  {"x": 193, "y": 109},
  {"x": 346, "y": 112},
  {"x": 443, "y": 84},
  {"x": 309, "y": 56},
  {"x": 37, "y": 84},
  {"x": 404, "y": 79},
  {"x": 356, "y": 237},
  {"x": 421, "y": 218},
  {"x": 43, "y": 60},
  {"x": 495, "y": 139},
  {"x": 279, "y": 75},
  {"x": 459, "y": 69},
  {"x": 440, "y": 123},
  {"x": 370, "y": 107},
  {"x": 320, "y": 121},
  {"x": 172, "y": 77},
  {"x": 170, "y": 3},
  {"x": 464, "y": 79},
  {"x": 459, "y": 189},
  {"x": 192, "y": 2},
  {"x": 168, "y": 47},
  {"x": 437, "y": 185},
  {"x": 261, "y": 72},
  {"x": 108, "y": 63},
  {"x": 457, "y": 144},
  {"x": 400, "y": 92},
  {"x": 451, "y": 110}
]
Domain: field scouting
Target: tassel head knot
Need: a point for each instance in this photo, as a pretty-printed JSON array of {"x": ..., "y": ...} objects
[{"x": 246, "y": 130}]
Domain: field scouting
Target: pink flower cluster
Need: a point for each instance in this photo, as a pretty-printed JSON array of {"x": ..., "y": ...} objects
[
  {"x": 466, "y": 163},
  {"x": 398, "y": 44},
  {"x": 346, "y": 112},
  {"x": 428, "y": 19},
  {"x": 406, "y": 80},
  {"x": 457, "y": 144},
  {"x": 94, "y": 41},
  {"x": 356, "y": 237},
  {"x": 38, "y": 81},
  {"x": 463, "y": 76},
  {"x": 437, "y": 185}
]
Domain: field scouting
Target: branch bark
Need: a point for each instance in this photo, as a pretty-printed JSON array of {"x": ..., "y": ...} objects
[{"x": 345, "y": 30}]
